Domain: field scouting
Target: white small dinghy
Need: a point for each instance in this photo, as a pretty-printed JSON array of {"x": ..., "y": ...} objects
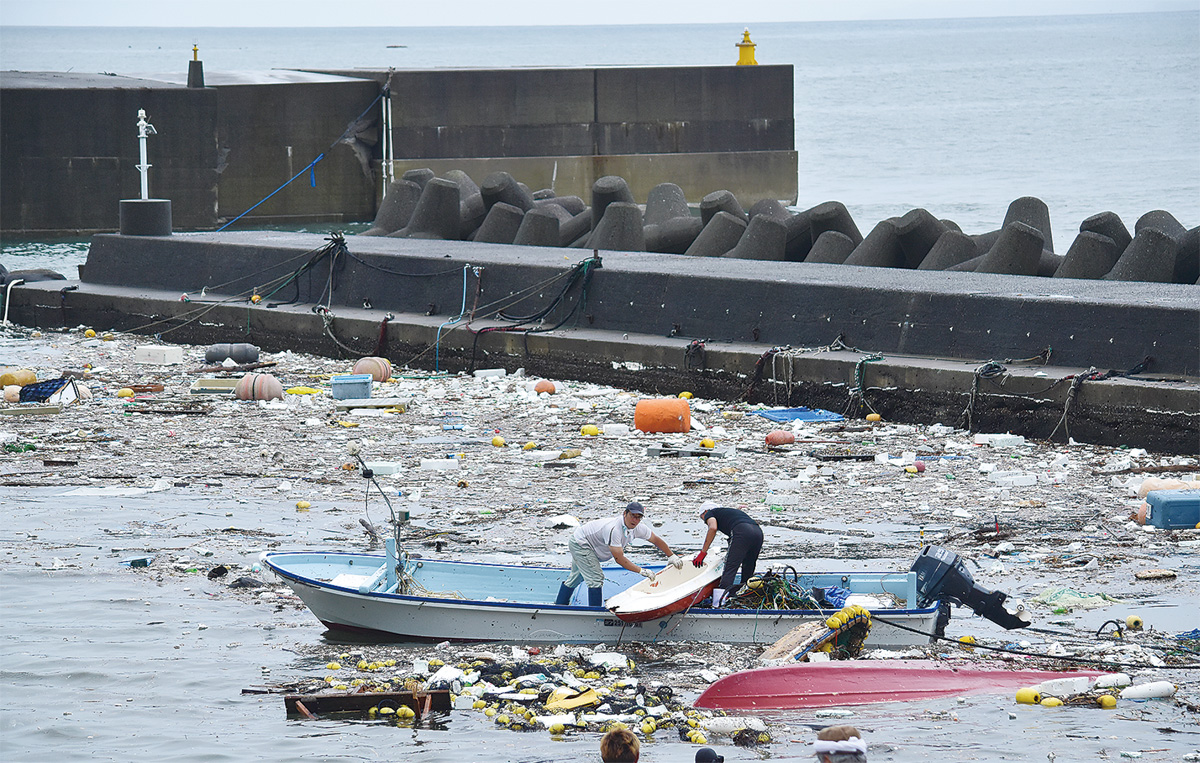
[{"x": 672, "y": 591}]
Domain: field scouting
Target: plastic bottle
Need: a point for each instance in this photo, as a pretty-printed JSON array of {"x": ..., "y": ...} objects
[{"x": 1152, "y": 690}]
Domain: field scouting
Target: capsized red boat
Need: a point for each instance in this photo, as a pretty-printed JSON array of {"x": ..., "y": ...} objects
[{"x": 864, "y": 682}]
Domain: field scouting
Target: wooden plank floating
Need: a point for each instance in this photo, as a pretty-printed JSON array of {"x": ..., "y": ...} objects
[{"x": 312, "y": 705}]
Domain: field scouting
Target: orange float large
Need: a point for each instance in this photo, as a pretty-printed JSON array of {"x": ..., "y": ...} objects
[{"x": 670, "y": 414}]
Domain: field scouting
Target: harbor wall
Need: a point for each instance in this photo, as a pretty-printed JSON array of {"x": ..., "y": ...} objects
[
  {"x": 912, "y": 346},
  {"x": 69, "y": 141}
]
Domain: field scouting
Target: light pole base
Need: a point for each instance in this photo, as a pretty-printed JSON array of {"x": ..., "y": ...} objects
[{"x": 145, "y": 217}]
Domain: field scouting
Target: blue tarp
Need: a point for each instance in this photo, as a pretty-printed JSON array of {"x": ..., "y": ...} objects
[{"x": 799, "y": 414}]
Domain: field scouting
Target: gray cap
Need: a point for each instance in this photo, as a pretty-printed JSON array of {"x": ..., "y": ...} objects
[{"x": 635, "y": 508}]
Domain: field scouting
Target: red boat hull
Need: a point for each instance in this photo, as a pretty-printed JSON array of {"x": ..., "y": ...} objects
[{"x": 863, "y": 682}]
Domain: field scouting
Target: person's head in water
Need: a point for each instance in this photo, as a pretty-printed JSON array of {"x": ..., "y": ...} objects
[
  {"x": 840, "y": 744},
  {"x": 708, "y": 755},
  {"x": 619, "y": 746}
]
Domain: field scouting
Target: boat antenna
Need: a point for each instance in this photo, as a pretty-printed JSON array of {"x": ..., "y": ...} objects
[{"x": 355, "y": 450}]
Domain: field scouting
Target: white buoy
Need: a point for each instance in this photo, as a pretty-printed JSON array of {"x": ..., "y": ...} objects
[{"x": 1152, "y": 690}]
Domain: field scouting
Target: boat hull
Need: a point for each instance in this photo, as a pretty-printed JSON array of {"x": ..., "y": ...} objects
[
  {"x": 863, "y": 682},
  {"x": 440, "y": 617}
]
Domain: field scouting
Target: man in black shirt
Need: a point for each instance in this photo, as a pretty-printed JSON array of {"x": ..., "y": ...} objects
[{"x": 745, "y": 542}]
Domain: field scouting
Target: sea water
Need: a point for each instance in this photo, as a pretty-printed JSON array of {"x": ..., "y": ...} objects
[{"x": 1089, "y": 113}]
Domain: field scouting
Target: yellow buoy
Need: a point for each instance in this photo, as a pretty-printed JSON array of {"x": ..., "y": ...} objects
[
  {"x": 708, "y": 442},
  {"x": 333, "y": 666},
  {"x": 874, "y": 417},
  {"x": 746, "y": 50},
  {"x": 589, "y": 430},
  {"x": 303, "y": 505},
  {"x": 256, "y": 299},
  {"x": 498, "y": 441},
  {"x": 557, "y": 728},
  {"x": 1028, "y": 696},
  {"x": 478, "y": 705},
  {"x": 1134, "y": 623},
  {"x": 649, "y": 728},
  {"x": 386, "y": 711},
  {"x": 529, "y": 446},
  {"x": 89, "y": 333},
  {"x": 124, "y": 392},
  {"x": 1106, "y": 701},
  {"x": 404, "y": 711},
  {"x": 1051, "y": 702},
  {"x": 686, "y": 395}
]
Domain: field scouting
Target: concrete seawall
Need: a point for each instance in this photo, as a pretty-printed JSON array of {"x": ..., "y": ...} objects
[
  {"x": 221, "y": 149},
  {"x": 663, "y": 323}
]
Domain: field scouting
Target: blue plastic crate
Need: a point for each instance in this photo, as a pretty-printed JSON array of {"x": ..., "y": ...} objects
[
  {"x": 1173, "y": 509},
  {"x": 351, "y": 386}
]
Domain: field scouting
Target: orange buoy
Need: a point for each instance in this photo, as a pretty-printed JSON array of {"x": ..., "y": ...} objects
[
  {"x": 258, "y": 387},
  {"x": 545, "y": 386},
  {"x": 670, "y": 414},
  {"x": 380, "y": 369},
  {"x": 780, "y": 437}
]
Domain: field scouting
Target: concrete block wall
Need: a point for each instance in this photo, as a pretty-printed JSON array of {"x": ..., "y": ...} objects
[{"x": 69, "y": 150}]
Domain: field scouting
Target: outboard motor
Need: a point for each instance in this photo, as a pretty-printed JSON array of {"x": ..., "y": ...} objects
[{"x": 941, "y": 574}]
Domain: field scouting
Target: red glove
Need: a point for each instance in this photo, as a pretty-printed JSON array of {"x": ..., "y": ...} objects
[{"x": 699, "y": 559}]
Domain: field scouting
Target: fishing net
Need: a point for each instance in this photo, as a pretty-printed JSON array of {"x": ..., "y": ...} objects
[{"x": 771, "y": 590}]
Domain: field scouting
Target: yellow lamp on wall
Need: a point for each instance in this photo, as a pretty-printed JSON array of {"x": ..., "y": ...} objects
[{"x": 746, "y": 50}]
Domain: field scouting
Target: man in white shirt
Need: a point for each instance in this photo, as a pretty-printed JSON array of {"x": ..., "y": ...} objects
[{"x": 603, "y": 539}]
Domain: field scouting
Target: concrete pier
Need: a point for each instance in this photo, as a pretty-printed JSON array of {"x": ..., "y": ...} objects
[{"x": 645, "y": 309}]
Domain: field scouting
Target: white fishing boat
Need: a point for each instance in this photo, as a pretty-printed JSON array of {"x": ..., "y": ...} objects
[{"x": 418, "y": 599}]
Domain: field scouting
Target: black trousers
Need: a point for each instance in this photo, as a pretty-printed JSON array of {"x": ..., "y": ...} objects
[{"x": 745, "y": 541}]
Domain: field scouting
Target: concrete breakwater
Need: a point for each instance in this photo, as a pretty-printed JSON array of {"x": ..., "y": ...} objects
[
  {"x": 504, "y": 211},
  {"x": 1094, "y": 360}
]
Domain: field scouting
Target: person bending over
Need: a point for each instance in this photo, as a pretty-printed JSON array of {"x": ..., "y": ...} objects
[
  {"x": 745, "y": 543},
  {"x": 602, "y": 539}
]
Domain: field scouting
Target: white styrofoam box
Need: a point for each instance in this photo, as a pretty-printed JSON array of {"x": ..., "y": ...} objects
[{"x": 158, "y": 354}]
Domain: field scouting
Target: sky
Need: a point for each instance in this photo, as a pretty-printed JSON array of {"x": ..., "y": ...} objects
[{"x": 411, "y": 13}]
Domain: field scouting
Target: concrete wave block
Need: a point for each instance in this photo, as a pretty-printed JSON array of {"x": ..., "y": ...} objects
[
  {"x": 833, "y": 215},
  {"x": 720, "y": 201},
  {"x": 665, "y": 200},
  {"x": 540, "y": 227},
  {"x": 917, "y": 231},
  {"x": 673, "y": 235},
  {"x": 830, "y": 247},
  {"x": 985, "y": 241},
  {"x": 438, "y": 213},
  {"x": 575, "y": 229},
  {"x": 605, "y": 191},
  {"x": 770, "y": 208},
  {"x": 720, "y": 235},
  {"x": 501, "y": 187},
  {"x": 951, "y": 225},
  {"x": 1162, "y": 220},
  {"x": 880, "y": 249},
  {"x": 541, "y": 194},
  {"x": 799, "y": 237},
  {"x": 419, "y": 176},
  {"x": 952, "y": 248},
  {"x": 1149, "y": 257},
  {"x": 968, "y": 266},
  {"x": 1107, "y": 224},
  {"x": 572, "y": 204},
  {"x": 396, "y": 209},
  {"x": 1049, "y": 263},
  {"x": 471, "y": 207},
  {"x": 501, "y": 224},
  {"x": 765, "y": 239},
  {"x": 1091, "y": 255},
  {"x": 1187, "y": 263},
  {"x": 620, "y": 228},
  {"x": 1017, "y": 252},
  {"x": 1033, "y": 212}
]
